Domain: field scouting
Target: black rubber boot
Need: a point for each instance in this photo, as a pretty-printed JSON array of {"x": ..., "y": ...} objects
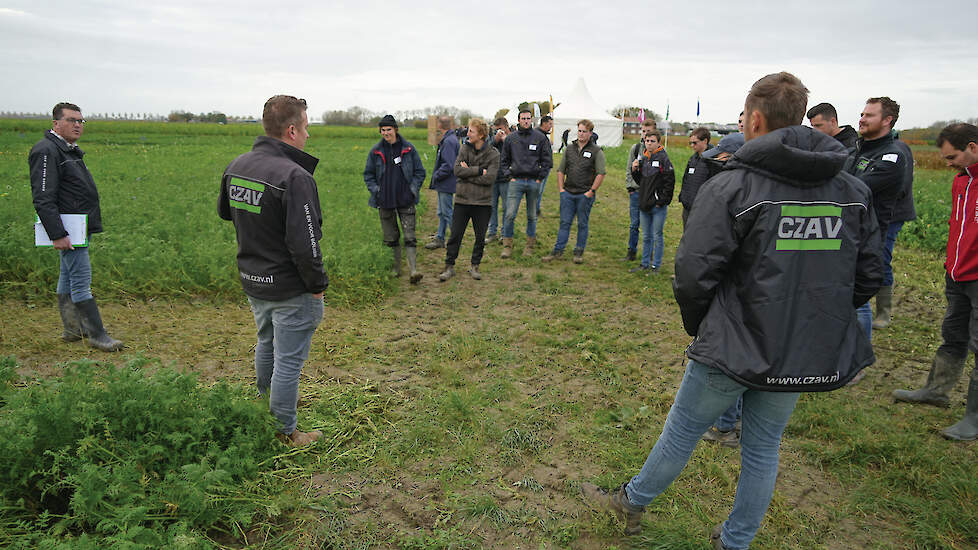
[
  {"x": 69, "y": 318},
  {"x": 967, "y": 428},
  {"x": 629, "y": 256},
  {"x": 91, "y": 322}
]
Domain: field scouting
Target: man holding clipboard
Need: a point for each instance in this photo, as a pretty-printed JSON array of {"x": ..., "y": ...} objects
[{"x": 63, "y": 188}]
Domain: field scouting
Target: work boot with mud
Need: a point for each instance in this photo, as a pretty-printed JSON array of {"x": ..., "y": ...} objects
[
  {"x": 884, "y": 307},
  {"x": 725, "y": 439},
  {"x": 616, "y": 502},
  {"x": 299, "y": 439},
  {"x": 435, "y": 243},
  {"x": 967, "y": 428},
  {"x": 555, "y": 255},
  {"x": 69, "y": 318},
  {"x": 396, "y": 269},
  {"x": 507, "y": 248},
  {"x": 447, "y": 274},
  {"x": 412, "y": 257},
  {"x": 944, "y": 374},
  {"x": 578, "y": 255},
  {"x": 531, "y": 244},
  {"x": 474, "y": 272},
  {"x": 92, "y": 328},
  {"x": 715, "y": 538}
]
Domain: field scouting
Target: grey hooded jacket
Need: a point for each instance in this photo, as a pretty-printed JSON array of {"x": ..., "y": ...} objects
[{"x": 785, "y": 246}]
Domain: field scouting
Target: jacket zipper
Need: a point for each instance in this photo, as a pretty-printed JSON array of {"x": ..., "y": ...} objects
[{"x": 957, "y": 246}]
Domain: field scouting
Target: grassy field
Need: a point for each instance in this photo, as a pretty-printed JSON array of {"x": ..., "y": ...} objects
[{"x": 457, "y": 415}]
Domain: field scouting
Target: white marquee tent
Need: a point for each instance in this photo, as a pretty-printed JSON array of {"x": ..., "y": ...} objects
[{"x": 579, "y": 104}]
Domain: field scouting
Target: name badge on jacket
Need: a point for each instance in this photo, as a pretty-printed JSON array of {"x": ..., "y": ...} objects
[
  {"x": 397, "y": 160},
  {"x": 655, "y": 164},
  {"x": 691, "y": 170},
  {"x": 587, "y": 154},
  {"x": 533, "y": 146}
]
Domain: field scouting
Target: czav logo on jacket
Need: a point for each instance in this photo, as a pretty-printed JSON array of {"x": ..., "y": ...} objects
[
  {"x": 803, "y": 228},
  {"x": 245, "y": 194}
]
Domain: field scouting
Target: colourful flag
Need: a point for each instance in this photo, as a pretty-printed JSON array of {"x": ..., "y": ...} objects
[
  {"x": 641, "y": 115},
  {"x": 667, "y": 110},
  {"x": 697, "y": 107}
]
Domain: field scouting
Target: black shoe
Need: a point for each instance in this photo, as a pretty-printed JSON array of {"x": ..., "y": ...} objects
[
  {"x": 639, "y": 268},
  {"x": 629, "y": 256}
]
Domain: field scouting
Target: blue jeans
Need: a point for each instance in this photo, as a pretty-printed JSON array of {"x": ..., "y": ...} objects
[
  {"x": 864, "y": 316},
  {"x": 445, "y": 202},
  {"x": 652, "y": 224},
  {"x": 76, "y": 274},
  {"x": 704, "y": 394},
  {"x": 543, "y": 185},
  {"x": 517, "y": 189},
  {"x": 573, "y": 205},
  {"x": 285, "y": 330},
  {"x": 891, "y": 235},
  {"x": 499, "y": 193},
  {"x": 633, "y": 217}
]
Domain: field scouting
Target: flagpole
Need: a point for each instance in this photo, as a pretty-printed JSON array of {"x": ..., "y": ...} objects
[{"x": 667, "y": 123}]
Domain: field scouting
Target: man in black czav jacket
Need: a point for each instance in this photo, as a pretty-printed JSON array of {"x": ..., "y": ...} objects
[
  {"x": 270, "y": 195},
  {"x": 785, "y": 246}
]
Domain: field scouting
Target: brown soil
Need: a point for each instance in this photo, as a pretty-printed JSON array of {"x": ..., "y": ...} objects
[{"x": 640, "y": 338}]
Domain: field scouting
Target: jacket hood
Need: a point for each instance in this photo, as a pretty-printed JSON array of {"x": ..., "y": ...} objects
[
  {"x": 847, "y": 132},
  {"x": 279, "y": 147},
  {"x": 797, "y": 155}
]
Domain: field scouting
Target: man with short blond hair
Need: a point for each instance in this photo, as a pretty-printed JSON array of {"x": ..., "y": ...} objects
[
  {"x": 581, "y": 171},
  {"x": 271, "y": 197},
  {"x": 62, "y": 184},
  {"x": 783, "y": 250}
]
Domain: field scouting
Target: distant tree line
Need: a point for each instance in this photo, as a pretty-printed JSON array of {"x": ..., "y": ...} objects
[
  {"x": 186, "y": 116},
  {"x": 360, "y": 116},
  {"x": 930, "y": 133}
]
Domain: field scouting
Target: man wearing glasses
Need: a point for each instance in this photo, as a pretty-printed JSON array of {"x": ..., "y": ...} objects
[
  {"x": 697, "y": 171},
  {"x": 270, "y": 195},
  {"x": 62, "y": 184}
]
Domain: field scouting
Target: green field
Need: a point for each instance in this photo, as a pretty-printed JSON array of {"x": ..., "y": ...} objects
[{"x": 456, "y": 415}]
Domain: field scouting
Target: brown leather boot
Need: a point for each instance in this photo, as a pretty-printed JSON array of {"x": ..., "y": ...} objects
[
  {"x": 507, "y": 248},
  {"x": 299, "y": 439},
  {"x": 615, "y": 502},
  {"x": 531, "y": 243}
]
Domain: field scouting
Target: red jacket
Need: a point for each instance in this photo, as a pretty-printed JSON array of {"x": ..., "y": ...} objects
[{"x": 962, "y": 239}]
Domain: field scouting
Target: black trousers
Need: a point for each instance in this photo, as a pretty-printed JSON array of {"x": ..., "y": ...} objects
[{"x": 460, "y": 220}]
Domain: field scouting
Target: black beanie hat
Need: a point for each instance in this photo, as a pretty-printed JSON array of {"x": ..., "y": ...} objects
[{"x": 388, "y": 120}]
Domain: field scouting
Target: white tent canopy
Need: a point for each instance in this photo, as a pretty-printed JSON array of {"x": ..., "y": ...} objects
[{"x": 579, "y": 104}]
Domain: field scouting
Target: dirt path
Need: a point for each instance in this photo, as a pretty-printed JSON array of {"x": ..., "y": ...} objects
[{"x": 588, "y": 358}]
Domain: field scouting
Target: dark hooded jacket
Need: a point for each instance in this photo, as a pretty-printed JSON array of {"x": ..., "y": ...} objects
[
  {"x": 847, "y": 136},
  {"x": 656, "y": 179},
  {"x": 697, "y": 172},
  {"x": 62, "y": 184},
  {"x": 526, "y": 154},
  {"x": 786, "y": 247},
  {"x": 270, "y": 195}
]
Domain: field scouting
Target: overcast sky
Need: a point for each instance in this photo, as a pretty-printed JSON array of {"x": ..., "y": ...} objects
[{"x": 229, "y": 56}]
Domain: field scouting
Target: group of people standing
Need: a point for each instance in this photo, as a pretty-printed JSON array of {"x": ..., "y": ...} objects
[{"x": 788, "y": 232}]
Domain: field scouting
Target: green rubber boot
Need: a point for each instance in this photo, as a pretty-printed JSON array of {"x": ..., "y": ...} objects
[
  {"x": 944, "y": 374},
  {"x": 967, "y": 428}
]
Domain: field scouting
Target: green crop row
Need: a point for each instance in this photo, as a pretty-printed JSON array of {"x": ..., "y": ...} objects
[{"x": 159, "y": 183}]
